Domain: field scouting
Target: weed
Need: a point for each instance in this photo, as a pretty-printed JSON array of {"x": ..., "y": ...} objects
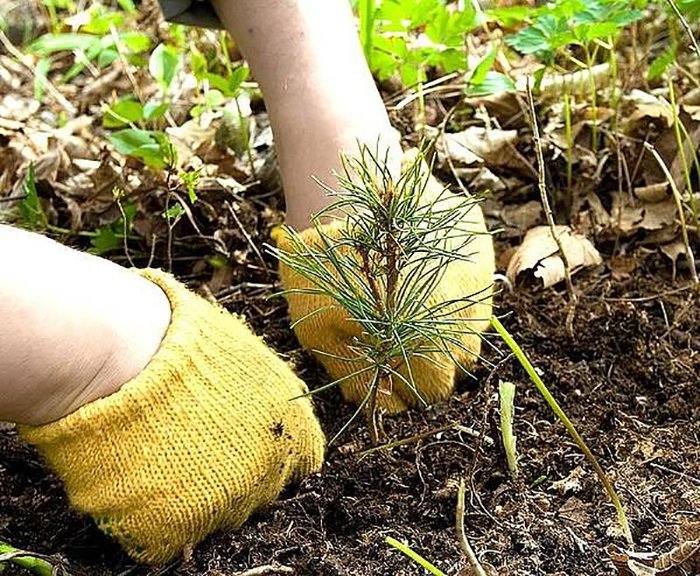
[
  {"x": 406, "y": 37},
  {"x": 36, "y": 563},
  {"x": 413, "y": 555}
]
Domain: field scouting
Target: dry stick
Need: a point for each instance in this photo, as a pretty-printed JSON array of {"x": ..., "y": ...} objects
[
  {"x": 265, "y": 570},
  {"x": 50, "y": 88},
  {"x": 545, "y": 204},
  {"x": 422, "y": 436},
  {"x": 679, "y": 206},
  {"x": 125, "y": 65},
  {"x": 685, "y": 25},
  {"x": 477, "y": 568},
  {"x": 248, "y": 239}
]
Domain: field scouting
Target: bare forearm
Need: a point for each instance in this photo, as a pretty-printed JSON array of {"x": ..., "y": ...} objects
[
  {"x": 319, "y": 92},
  {"x": 74, "y": 327}
]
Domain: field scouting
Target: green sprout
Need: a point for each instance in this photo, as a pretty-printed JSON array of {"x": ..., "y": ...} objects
[
  {"x": 384, "y": 245},
  {"x": 36, "y": 563}
]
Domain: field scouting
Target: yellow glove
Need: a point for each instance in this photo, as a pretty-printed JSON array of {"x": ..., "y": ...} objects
[
  {"x": 204, "y": 436},
  {"x": 328, "y": 333}
]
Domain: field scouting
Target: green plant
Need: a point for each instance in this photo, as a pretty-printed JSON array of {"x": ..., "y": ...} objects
[
  {"x": 389, "y": 251},
  {"x": 417, "y": 558},
  {"x": 568, "y": 33},
  {"x": 101, "y": 38},
  {"x": 36, "y": 563},
  {"x": 506, "y": 396},
  {"x": 406, "y": 37}
]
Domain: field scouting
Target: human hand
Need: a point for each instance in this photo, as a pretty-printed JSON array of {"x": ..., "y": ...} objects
[{"x": 205, "y": 435}]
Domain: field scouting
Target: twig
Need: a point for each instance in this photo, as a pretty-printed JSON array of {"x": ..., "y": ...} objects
[
  {"x": 542, "y": 184},
  {"x": 247, "y": 237},
  {"x": 685, "y": 25},
  {"x": 423, "y": 436},
  {"x": 266, "y": 569},
  {"x": 125, "y": 64},
  {"x": 118, "y": 193},
  {"x": 50, "y": 88},
  {"x": 679, "y": 206},
  {"x": 477, "y": 568},
  {"x": 543, "y": 190}
]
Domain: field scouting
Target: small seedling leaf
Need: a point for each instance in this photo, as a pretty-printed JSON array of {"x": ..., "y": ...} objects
[
  {"x": 163, "y": 64},
  {"x": 50, "y": 43},
  {"x": 123, "y": 113},
  {"x": 152, "y": 147}
]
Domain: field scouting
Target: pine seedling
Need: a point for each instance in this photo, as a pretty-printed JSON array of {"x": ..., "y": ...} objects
[{"x": 383, "y": 245}]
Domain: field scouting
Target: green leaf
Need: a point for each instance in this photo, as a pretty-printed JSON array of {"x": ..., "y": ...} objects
[
  {"x": 237, "y": 77},
  {"x": 213, "y": 98},
  {"x": 660, "y": 64},
  {"x": 483, "y": 67},
  {"x": 104, "y": 241},
  {"x": 493, "y": 83},
  {"x": 163, "y": 64},
  {"x": 30, "y": 208},
  {"x": 152, "y": 147},
  {"x": 40, "y": 76},
  {"x": 191, "y": 180},
  {"x": 154, "y": 109},
  {"x": 367, "y": 11},
  {"x": 691, "y": 8},
  {"x": 598, "y": 30},
  {"x": 101, "y": 23},
  {"x": 50, "y": 43},
  {"x": 106, "y": 57},
  {"x": 127, "y": 5},
  {"x": 136, "y": 42},
  {"x": 547, "y": 34},
  {"x": 509, "y": 17},
  {"x": 123, "y": 113},
  {"x": 175, "y": 211}
]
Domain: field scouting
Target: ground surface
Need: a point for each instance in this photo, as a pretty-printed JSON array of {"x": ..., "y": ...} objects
[{"x": 628, "y": 378}]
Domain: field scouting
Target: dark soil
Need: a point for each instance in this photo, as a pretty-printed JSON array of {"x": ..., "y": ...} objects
[{"x": 628, "y": 378}]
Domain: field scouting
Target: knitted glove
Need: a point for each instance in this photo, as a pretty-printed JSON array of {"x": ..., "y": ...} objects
[
  {"x": 204, "y": 436},
  {"x": 328, "y": 333}
]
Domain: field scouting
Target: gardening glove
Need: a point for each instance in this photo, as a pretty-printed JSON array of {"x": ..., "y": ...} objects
[
  {"x": 328, "y": 333},
  {"x": 209, "y": 432}
]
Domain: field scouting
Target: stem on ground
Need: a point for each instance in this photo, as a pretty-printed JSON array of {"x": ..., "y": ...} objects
[
  {"x": 476, "y": 568},
  {"x": 34, "y": 562}
]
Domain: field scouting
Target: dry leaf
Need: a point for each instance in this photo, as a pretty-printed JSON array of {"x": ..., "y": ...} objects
[
  {"x": 626, "y": 217},
  {"x": 538, "y": 255},
  {"x": 478, "y": 145},
  {"x": 521, "y": 217},
  {"x": 642, "y": 109},
  {"x": 683, "y": 560},
  {"x": 673, "y": 250},
  {"x": 652, "y": 193}
]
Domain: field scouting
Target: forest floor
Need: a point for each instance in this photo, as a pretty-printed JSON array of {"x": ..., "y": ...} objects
[{"x": 628, "y": 378}]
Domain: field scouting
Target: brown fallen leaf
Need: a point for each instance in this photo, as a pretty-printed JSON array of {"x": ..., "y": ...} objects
[
  {"x": 628, "y": 216},
  {"x": 538, "y": 255},
  {"x": 683, "y": 560},
  {"x": 478, "y": 145}
]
